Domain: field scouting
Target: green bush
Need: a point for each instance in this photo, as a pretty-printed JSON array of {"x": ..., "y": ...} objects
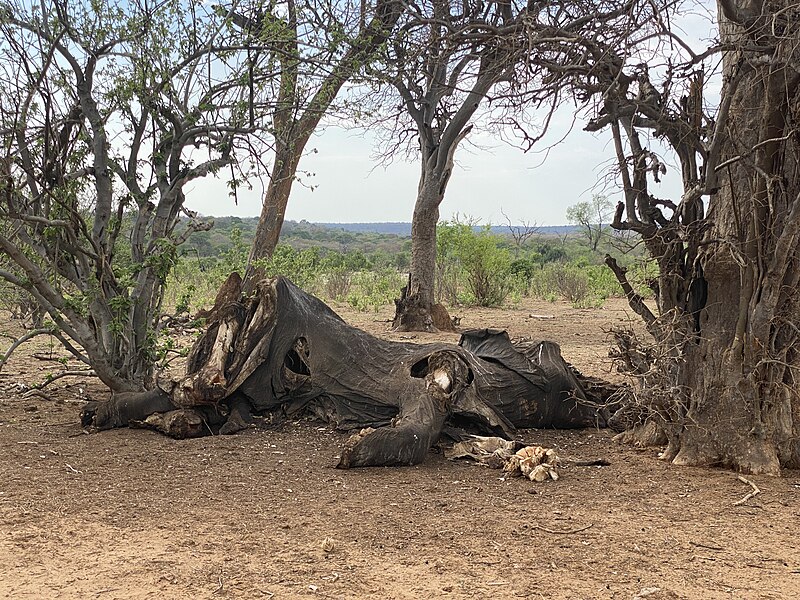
[
  {"x": 374, "y": 289},
  {"x": 474, "y": 267},
  {"x": 477, "y": 260},
  {"x": 301, "y": 267}
]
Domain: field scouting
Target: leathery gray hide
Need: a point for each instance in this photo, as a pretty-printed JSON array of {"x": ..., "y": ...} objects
[{"x": 283, "y": 350}]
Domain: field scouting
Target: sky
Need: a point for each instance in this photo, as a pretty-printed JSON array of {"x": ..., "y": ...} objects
[{"x": 490, "y": 177}]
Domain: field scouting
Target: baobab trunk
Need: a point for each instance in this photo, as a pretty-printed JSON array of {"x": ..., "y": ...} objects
[
  {"x": 734, "y": 388},
  {"x": 743, "y": 411}
]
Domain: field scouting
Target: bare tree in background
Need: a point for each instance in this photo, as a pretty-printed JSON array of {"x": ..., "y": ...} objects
[{"x": 520, "y": 233}]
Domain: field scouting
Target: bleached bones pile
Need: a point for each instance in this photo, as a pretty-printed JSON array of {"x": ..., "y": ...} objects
[{"x": 537, "y": 463}]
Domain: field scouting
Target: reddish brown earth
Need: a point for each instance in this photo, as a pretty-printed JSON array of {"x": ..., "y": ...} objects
[{"x": 263, "y": 514}]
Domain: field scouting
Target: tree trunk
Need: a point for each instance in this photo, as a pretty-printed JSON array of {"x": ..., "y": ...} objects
[
  {"x": 283, "y": 352},
  {"x": 741, "y": 411},
  {"x": 728, "y": 387},
  {"x": 273, "y": 210},
  {"x": 294, "y": 126},
  {"x": 415, "y": 307}
]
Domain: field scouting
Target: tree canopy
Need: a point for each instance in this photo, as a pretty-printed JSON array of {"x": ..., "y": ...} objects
[{"x": 110, "y": 109}]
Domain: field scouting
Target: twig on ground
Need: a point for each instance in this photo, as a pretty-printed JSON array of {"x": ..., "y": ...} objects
[
  {"x": 51, "y": 378},
  {"x": 562, "y": 531},
  {"x": 706, "y": 546},
  {"x": 752, "y": 494},
  {"x": 105, "y": 591},
  {"x": 49, "y": 357},
  {"x": 221, "y": 584},
  {"x": 37, "y": 392}
]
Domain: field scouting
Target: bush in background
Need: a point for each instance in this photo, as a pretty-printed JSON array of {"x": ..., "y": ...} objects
[{"x": 474, "y": 267}]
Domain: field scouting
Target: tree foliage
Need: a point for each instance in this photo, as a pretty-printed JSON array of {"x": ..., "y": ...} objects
[
  {"x": 109, "y": 109},
  {"x": 591, "y": 217}
]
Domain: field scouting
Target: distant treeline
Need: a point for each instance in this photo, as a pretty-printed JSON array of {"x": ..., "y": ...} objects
[
  {"x": 404, "y": 229},
  {"x": 342, "y": 237}
]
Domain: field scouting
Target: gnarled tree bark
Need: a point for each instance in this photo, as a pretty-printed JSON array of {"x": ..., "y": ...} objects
[{"x": 720, "y": 377}]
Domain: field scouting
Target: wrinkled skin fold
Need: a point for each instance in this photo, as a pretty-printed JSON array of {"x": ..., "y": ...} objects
[{"x": 284, "y": 351}]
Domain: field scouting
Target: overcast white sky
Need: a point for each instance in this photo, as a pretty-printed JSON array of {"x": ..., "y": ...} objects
[
  {"x": 531, "y": 187},
  {"x": 490, "y": 176}
]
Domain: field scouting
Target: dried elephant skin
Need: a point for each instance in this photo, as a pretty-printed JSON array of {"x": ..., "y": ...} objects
[{"x": 282, "y": 349}]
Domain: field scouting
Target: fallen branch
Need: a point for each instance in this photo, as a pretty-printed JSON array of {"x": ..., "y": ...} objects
[
  {"x": 37, "y": 392},
  {"x": 51, "y": 378},
  {"x": 563, "y": 531},
  {"x": 21, "y": 340},
  {"x": 49, "y": 357},
  {"x": 707, "y": 547},
  {"x": 752, "y": 494}
]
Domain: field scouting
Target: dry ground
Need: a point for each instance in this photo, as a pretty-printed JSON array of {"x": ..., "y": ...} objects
[{"x": 131, "y": 514}]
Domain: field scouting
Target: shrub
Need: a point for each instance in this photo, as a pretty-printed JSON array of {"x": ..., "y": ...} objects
[
  {"x": 475, "y": 258},
  {"x": 374, "y": 289},
  {"x": 302, "y": 267}
]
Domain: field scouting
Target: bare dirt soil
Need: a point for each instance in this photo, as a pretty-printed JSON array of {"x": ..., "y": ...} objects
[{"x": 263, "y": 514}]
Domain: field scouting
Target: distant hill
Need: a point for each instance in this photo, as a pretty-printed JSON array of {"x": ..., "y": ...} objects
[
  {"x": 404, "y": 229},
  {"x": 401, "y": 229},
  {"x": 389, "y": 237}
]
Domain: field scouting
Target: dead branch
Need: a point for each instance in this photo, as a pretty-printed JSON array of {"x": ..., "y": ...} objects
[
  {"x": 635, "y": 300},
  {"x": 562, "y": 531},
  {"x": 21, "y": 340},
  {"x": 51, "y": 378},
  {"x": 755, "y": 492}
]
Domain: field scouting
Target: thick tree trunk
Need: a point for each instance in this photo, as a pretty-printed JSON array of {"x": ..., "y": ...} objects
[
  {"x": 282, "y": 352},
  {"x": 725, "y": 388},
  {"x": 744, "y": 410},
  {"x": 415, "y": 307}
]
